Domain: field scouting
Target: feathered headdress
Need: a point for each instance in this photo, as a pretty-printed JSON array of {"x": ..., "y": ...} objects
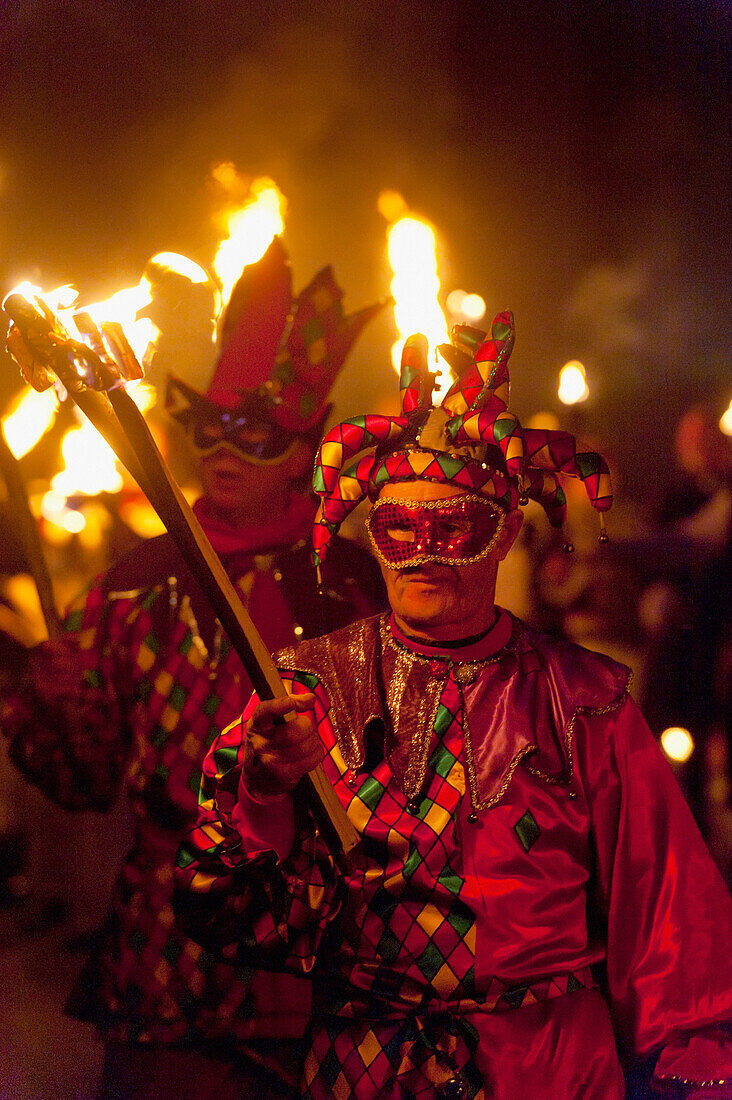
[{"x": 470, "y": 440}]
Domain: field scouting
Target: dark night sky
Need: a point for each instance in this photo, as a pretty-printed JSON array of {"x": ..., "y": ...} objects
[{"x": 572, "y": 157}]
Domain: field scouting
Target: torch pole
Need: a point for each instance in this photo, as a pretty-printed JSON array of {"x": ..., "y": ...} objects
[{"x": 25, "y": 520}]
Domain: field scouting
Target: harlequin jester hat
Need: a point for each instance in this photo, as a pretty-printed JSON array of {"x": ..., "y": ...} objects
[
  {"x": 280, "y": 355},
  {"x": 470, "y": 440}
]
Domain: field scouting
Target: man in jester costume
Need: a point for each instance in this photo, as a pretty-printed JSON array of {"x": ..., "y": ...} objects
[
  {"x": 144, "y": 677},
  {"x": 532, "y": 909}
]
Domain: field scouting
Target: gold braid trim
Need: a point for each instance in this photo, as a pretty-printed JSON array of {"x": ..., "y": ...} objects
[{"x": 580, "y": 712}]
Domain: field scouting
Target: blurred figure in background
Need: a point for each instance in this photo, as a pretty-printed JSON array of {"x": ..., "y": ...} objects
[
  {"x": 144, "y": 679},
  {"x": 687, "y": 615}
]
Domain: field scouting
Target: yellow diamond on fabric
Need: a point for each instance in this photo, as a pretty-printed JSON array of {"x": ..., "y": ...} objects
[
  {"x": 190, "y": 746},
  {"x": 162, "y": 972},
  {"x": 369, "y": 1048},
  {"x": 331, "y": 454},
  {"x": 86, "y": 638},
  {"x": 437, "y": 818},
  {"x": 445, "y": 981},
  {"x": 350, "y": 488},
  {"x": 317, "y": 351},
  {"x": 169, "y": 718},
  {"x": 359, "y": 813},
  {"x": 164, "y": 683},
  {"x": 420, "y": 460},
  {"x": 322, "y": 299},
  {"x": 341, "y": 1087},
  {"x": 145, "y": 658},
  {"x": 456, "y": 777},
  {"x": 430, "y": 919}
]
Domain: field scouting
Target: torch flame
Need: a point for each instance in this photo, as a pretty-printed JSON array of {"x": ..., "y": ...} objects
[
  {"x": 412, "y": 252},
  {"x": 250, "y": 229},
  {"x": 31, "y": 415}
]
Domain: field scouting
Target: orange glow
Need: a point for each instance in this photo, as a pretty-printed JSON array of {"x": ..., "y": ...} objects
[
  {"x": 412, "y": 252},
  {"x": 249, "y": 228},
  {"x": 466, "y": 308},
  {"x": 725, "y": 422},
  {"x": 677, "y": 743},
  {"x": 32, "y": 413},
  {"x": 572, "y": 383}
]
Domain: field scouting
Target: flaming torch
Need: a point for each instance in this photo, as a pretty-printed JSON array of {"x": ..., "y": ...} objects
[
  {"x": 415, "y": 286},
  {"x": 249, "y": 227}
]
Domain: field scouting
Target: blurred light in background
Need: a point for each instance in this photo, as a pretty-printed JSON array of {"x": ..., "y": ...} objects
[
  {"x": 677, "y": 743},
  {"x": 412, "y": 252},
  {"x": 466, "y": 308},
  {"x": 572, "y": 383},
  {"x": 725, "y": 423}
]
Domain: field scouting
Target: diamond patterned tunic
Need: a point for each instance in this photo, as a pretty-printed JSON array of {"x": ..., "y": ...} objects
[
  {"x": 141, "y": 684},
  {"x": 459, "y": 955}
]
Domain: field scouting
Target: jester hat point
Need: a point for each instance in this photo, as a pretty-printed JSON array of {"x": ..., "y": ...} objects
[
  {"x": 470, "y": 440},
  {"x": 280, "y": 355}
]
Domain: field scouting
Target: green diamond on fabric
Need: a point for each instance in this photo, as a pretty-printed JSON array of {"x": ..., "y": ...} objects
[
  {"x": 162, "y": 771},
  {"x": 389, "y": 946},
  {"x": 573, "y": 984},
  {"x": 318, "y": 480},
  {"x": 211, "y": 705},
  {"x": 206, "y": 962},
  {"x": 442, "y": 761},
  {"x": 92, "y": 677},
  {"x": 137, "y": 940},
  {"x": 158, "y": 736},
  {"x": 515, "y": 997},
  {"x": 171, "y": 952},
  {"x": 185, "y": 857},
  {"x": 177, "y": 697},
  {"x": 186, "y": 644},
  {"x": 284, "y": 372},
  {"x": 312, "y": 330},
  {"x": 527, "y": 830},
  {"x": 225, "y": 758},
  {"x": 411, "y": 863},
  {"x": 449, "y": 466},
  {"x": 330, "y": 1067},
  {"x": 144, "y": 689},
  {"x": 73, "y": 622},
  {"x": 443, "y": 720},
  {"x": 451, "y": 881},
  {"x": 430, "y": 961},
  {"x": 382, "y": 475},
  {"x": 502, "y": 428},
  {"x": 213, "y": 732},
  {"x": 371, "y": 793},
  {"x": 152, "y": 643},
  {"x": 194, "y": 781},
  {"x": 307, "y": 679},
  {"x": 499, "y": 331},
  {"x": 307, "y": 405},
  {"x": 587, "y": 464},
  {"x": 150, "y": 599},
  {"x": 461, "y": 919}
]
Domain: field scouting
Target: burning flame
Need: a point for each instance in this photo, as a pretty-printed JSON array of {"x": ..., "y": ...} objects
[
  {"x": 249, "y": 228},
  {"x": 175, "y": 261},
  {"x": 31, "y": 415},
  {"x": 725, "y": 423},
  {"x": 572, "y": 383},
  {"x": 412, "y": 252}
]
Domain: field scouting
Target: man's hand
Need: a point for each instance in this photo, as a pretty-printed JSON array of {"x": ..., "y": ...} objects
[{"x": 278, "y": 755}]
